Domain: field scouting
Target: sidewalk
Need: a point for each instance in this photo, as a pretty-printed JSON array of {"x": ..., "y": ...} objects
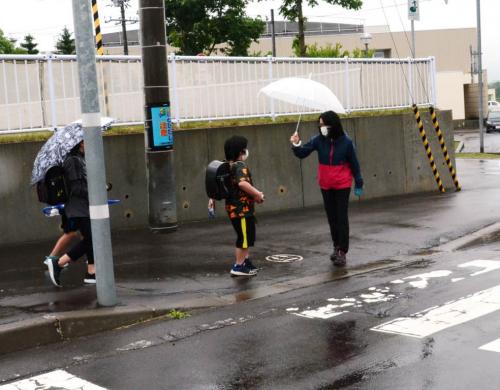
[{"x": 189, "y": 269}]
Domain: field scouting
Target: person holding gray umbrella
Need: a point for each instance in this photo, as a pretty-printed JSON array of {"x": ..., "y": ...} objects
[
  {"x": 77, "y": 211},
  {"x": 63, "y": 148},
  {"x": 338, "y": 165}
]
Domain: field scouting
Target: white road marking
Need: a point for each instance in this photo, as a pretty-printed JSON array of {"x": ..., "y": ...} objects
[
  {"x": 487, "y": 265},
  {"x": 381, "y": 294},
  {"x": 435, "y": 319},
  {"x": 422, "y": 281},
  {"x": 323, "y": 312},
  {"x": 494, "y": 346},
  {"x": 292, "y": 309},
  {"x": 141, "y": 344},
  {"x": 58, "y": 379}
]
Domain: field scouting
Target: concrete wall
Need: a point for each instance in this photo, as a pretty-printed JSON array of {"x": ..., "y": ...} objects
[
  {"x": 450, "y": 92},
  {"x": 390, "y": 151}
]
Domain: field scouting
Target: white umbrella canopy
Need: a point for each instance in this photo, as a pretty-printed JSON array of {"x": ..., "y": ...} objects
[{"x": 304, "y": 93}]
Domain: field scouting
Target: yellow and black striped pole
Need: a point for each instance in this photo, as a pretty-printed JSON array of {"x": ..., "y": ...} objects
[
  {"x": 100, "y": 52},
  {"x": 427, "y": 147},
  {"x": 444, "y": 148},
  {"x": 97, "y": 28}
]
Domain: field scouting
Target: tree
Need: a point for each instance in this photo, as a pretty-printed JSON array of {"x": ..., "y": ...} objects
[
  {"x": 292, "y": 10},
  {"x": 8, "y": 45},
  {"x": 29, "y": 45},
  {"x": 195, "y": 26},
  {"x": 65, "y": 44}
]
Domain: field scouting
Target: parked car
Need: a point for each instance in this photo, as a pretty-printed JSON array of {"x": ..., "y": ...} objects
[
  {"x": 492, "y": 122},
  {"x": 493, "y": 105}
]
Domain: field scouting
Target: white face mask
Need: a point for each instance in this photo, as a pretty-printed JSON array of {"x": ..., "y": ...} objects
[
  {"x": 324, "y": 130},
  {"x": 245, "y": 156}
]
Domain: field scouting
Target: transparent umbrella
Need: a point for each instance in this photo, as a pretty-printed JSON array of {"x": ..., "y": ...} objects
[{"x": 304, "y": 93}]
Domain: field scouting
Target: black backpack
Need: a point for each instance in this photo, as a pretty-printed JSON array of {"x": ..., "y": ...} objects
[
  {"x": 218, "y": 183},
  {"x": 52, "y": 189}
]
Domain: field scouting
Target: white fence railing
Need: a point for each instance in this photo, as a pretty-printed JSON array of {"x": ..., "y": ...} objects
[{"x": 42, "y": 92}]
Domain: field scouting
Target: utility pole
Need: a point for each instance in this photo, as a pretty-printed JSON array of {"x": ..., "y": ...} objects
[
  {"x": 124, "y": 28},
  {"x": 122, "y": 4},
  {"x": 273, "y": 33},
  {"x": 480, "y": 76},
  {"x": 94, "y": 153},
  {"x": 162, "y": 202}
]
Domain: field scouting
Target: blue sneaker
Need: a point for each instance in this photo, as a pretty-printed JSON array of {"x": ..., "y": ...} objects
[
  {"x": 247, "y": 263},
  {"x": 242, "y": 270}
]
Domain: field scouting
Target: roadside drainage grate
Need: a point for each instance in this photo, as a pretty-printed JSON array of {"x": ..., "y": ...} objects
[{"x": 284, "y": 258}]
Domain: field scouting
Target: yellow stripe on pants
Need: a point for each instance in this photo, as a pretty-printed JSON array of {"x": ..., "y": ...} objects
[{"x": 244, "y": 231}]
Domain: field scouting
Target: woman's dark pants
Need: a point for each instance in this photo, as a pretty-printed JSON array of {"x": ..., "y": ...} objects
[{"x": 336, "y": 204}]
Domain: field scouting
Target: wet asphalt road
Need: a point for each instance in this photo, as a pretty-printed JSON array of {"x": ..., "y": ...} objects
[
  {"x": 280, "y": 342},
  {"x": 471, "y": 141}
]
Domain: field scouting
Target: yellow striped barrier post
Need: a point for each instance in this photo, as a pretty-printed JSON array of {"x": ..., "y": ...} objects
[
  {"x": 428, "y": 150},
  {"x": 444, "y": 148},
  {"x": 97, "y": 28},
  {"x": 100, "y": 52}
]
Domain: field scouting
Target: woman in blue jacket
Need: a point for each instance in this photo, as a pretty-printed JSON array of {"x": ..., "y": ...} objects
[{"x": 338, "y": 166}]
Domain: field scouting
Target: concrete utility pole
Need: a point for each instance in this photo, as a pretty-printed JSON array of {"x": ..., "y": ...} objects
[
  {"x": 273, "y": 33},
  {"x": 94, "y": 152},
  {"x": 124, "y": 28},
  {"x": 159, "y": 158},
  {"x": 122, "y": 4},
  {"x": 480, "y": 77}
]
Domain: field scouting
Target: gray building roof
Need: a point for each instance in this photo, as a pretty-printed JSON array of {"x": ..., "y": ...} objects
[{"x": 280, "y": 28}]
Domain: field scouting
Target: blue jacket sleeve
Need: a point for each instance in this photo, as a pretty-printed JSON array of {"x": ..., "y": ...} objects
[
  {"x": 305, "y": 149},
  {"x": 356, "y": 170}
]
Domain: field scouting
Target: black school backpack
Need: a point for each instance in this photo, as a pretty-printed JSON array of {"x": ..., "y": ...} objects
[
  {"x": 52, "y": 189},
  {"x": 218, "y": 182}
]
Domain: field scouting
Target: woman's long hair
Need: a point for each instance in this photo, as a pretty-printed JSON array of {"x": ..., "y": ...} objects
[{"x": 332, "y": 120}]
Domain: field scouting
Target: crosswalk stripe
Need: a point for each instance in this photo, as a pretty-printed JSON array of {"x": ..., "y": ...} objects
[
  {"x": 437, "y": 318},
  {"x": 58, "y": 379},
  {"x": 494, "y": 346}
]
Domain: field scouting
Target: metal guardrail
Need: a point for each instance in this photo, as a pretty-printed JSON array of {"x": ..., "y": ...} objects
[{"x": 39, "y": 92}]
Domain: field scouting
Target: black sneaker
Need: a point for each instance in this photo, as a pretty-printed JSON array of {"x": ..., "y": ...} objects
[
  {"x": 241, "y": 270},
  {"x": 54, "y": 271},
  {"x": 333, "y": 256},
  {"x": 89, "y": 278},
  {"x": 247, "y": 263},
  {"x": 341, "y": 259}
]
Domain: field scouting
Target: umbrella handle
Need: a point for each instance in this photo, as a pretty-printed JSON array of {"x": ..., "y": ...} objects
[{"x": 298, "y": 123}]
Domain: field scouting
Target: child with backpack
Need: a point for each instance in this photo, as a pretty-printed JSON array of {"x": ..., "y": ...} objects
[
  {"x": 77, "y": 211},
  {"x": 240, "y": 200}
]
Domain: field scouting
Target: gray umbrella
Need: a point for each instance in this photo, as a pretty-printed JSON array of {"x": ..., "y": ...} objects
[{"x": 57, "y": 147}]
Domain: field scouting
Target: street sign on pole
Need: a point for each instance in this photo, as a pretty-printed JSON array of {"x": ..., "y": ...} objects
[{"x": 413, "y": 10}]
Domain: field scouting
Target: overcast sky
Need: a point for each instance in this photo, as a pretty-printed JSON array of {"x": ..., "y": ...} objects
[{"x": 45, "y": 19}]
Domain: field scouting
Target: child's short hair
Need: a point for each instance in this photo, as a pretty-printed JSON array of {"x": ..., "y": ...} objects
[{"x": 234, "y": 146}]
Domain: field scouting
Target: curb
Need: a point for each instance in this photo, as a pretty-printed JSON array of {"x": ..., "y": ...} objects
[
  {"x": 57, "y": 327},
  {"x": 472, "y": 239}
]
